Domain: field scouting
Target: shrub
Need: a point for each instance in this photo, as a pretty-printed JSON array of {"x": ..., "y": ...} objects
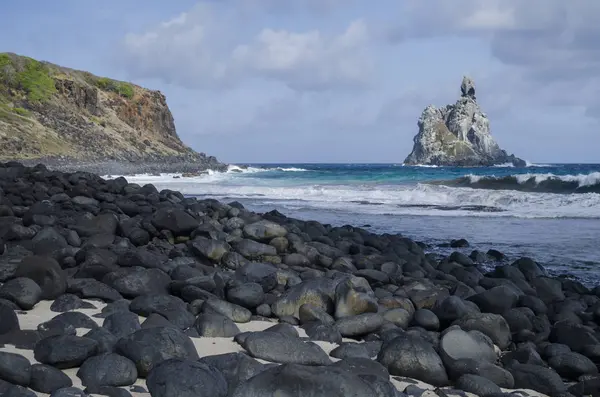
[
  {"x": 36, "y": 81},
  {"x": 121, "y": 88},
  {"x": 21, "y": 111}
]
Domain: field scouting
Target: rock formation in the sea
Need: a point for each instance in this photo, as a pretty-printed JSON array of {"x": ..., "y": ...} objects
[
  {"x": 52, "y": 112},
  {"x": 458, "y": 135}
]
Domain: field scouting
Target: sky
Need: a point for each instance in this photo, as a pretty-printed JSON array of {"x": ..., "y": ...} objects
[{"x": 283, "y": 81}]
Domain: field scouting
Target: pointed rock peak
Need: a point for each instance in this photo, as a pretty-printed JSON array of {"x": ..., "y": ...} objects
[{"x": 468, "y": 87}]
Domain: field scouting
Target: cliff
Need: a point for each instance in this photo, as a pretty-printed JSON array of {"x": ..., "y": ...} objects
[
  {"x": 53, "y": 112},
  {"x": 457, "y": 135}
]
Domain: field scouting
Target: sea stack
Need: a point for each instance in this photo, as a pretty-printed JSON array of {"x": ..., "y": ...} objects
[{"x": 458, "y": 135}]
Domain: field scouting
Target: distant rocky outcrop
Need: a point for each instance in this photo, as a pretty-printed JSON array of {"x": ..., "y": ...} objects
[
  {"x": 458, "y": 135},
  {"x": 57, "y": 114}
]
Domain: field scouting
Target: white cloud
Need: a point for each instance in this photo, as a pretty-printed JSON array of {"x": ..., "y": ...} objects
[
  {"x": 193, "y": 50},
  {"x": 308, "y": 61}
]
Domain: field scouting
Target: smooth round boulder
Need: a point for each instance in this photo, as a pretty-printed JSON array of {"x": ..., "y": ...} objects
[
  {"x": 304, "y": 380},
  {"x": 150, "y": 346},
  {"x": 477, "y": 385},
  {"x": 426, "y": 319},
  {"x": 492, "y": 325},
  {"x": 278, "y": 348},
  {"x": 15, "y": 368},
  {"x": 183, "y": 378},
  {"x": 358, "y": 325},
  {"x": 46, "y": 272},
  {"x": 457, "y": 344},
  {"x": 235, "y": 367},
  {"x": 215, "y": 325},
  {"x": 23, "y": 291},
  {"x": 171, "y": 307},
  {"x": 107, "y": 370},
  {"x": 248, "y": 295},
  {"x": 572, "y": 365},
  {"x": 47, "y": 379},
  {"x": 64, "y": 351},
  {"x": 413, "y": 357}
]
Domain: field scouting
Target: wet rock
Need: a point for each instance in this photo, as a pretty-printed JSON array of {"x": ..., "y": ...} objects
[
  {"x": 496, "y": 300},
  {"x": 457, "y": 344},
  {"x": 426, "y": 319},
  {"x": 210, "y": 249},
  {"x": 352, "y": 299}
]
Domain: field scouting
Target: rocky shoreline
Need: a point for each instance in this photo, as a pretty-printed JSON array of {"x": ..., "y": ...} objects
[{"x": 111, "y": 288}]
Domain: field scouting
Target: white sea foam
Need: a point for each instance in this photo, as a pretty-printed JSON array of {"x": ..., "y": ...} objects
[
  {"x": 582, "y": 179},
  {"x": 505, "y": 165},
  {"x": 421, "y": 199}
]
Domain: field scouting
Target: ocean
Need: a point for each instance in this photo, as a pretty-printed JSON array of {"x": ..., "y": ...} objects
[{"x": 550, "y": 212}]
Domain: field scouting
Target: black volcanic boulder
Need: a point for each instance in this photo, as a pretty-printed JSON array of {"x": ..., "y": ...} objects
[
  {"x": 535, "y": 377},
  {"x": 184, "y": 378},
  {"x": 150, "y": 346},
  {"x": 215, "y": 325},
  {"x": 8, "y": 319},
  {"x": 64, "y": 351},
  {"x": 235, "y": 367},
  {"x": 46, "y": 272},
  {"x": 15, "y": 368},
  {"x": 89, "y": 288},
  {"x": 306, "y": 381},
  {"x": 264, "y": 231},
  {"x": 23, "y": 291},
  {"x": 135, "y": 281},
  {"x": 177, "y": 221},
  {"x": 107, "y": 370},
  {"x": 47, "y": 379},
  {"x": 496, "y": 300},
  {"x": 413, "y": 357},
  {"x": 492, "y": 325},
  {"x": 171, "y": 307},
  {"x": 276, "y": 347},
  {"x": 122, "y": 324},
  {"x": 208, "y": 248},
  {"x": 457, "y": 344},
  {"x": 69, "y": 302}
]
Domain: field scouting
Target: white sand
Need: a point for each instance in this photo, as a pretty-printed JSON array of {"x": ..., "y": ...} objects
[{"x": 205, "y": 346}]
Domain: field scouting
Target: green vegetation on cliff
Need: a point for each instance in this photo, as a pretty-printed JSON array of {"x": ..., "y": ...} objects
[{"x": 47, "y": 110}]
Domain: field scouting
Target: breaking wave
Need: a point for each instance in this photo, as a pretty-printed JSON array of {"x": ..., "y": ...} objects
[{"x": 542, "y": 183}]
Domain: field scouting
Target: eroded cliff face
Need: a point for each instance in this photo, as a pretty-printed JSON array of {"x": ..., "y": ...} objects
[
  {"x": 457, "y": 135},
  {"x": 51, "y": 111}
]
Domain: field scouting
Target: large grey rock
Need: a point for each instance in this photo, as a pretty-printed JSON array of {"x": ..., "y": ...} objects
[
  {"x": 15, "y": 368},
  {"x": 23, "y": 291},
  {"x": 148, "y": 347},
  {"x": 184, "y": 378},
  {"x": 46, "y": 379},
  {"x": 306, "y": 381},
  {"x": 572, "y": 365},
  {"x": 492, "y": 325},
  {"x": 235, "y": 367},
  {"x": 457, "y": 135},
  {"x": 46, "y": 272},
  {"x": 215, "y": 325},
  {"x": 232, "y": 311},
  {"x": 64, "y": 351},
  {"x": 537, "y": 378},
  {"x": 457, "y": 344},
  {"x": 358, "y": 325},
  {"x": 107, "y": 370},
  {"x": 168, "y": 306},
  {"x": 317, "y": 292},
  {"x": 264, "y": 231},
  {"x": 175, "y": 220},
  {"x": 275, "y": 347},
  {"x": 248, "y": 295},
  {"x": 352, "y": 298},
  {"x": 413, "y": 357},
  {"x": 477, "y": 385}
]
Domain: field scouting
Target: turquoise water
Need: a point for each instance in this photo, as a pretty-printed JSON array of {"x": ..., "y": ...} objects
[{"x": 550, "y": 212}]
